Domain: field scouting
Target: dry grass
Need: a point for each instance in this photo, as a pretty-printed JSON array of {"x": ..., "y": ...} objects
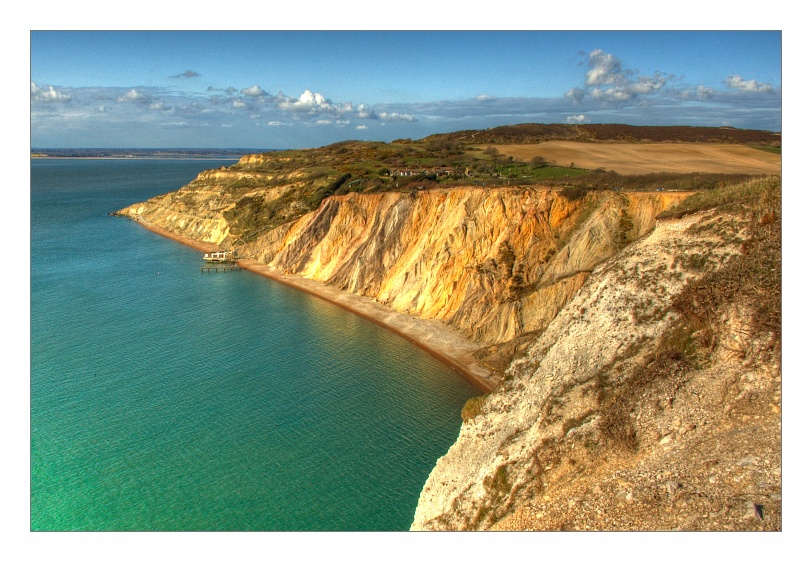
[
  {"x": 647, "y": 158},
  {"x": 752, "y": 278}
]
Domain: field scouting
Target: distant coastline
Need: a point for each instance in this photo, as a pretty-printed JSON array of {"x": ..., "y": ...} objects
[{"x": 146, "y": 153}]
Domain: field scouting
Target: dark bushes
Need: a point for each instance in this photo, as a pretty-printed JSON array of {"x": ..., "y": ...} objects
[{"x": 573, "y": 193}]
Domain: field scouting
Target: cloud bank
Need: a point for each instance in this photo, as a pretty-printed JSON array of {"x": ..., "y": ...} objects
[{"x": 608, "y": 93}]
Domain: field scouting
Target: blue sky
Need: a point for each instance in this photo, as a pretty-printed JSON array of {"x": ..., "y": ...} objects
[{"x": 286, "y": 89}]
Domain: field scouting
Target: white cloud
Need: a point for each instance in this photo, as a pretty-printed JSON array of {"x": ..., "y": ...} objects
[
  {"x": 365, "y": 112},
  {"x": 611, "y": 95},
  {"x": 647, "y": 85},
  {"x": 738, "y": 83},
  {"x": 308, "y": 102},
  {"x": 345, "y": 107},
  {"x": 187, "y": 74},
  {"x": 704, "y": 93},
  {"x": 604, "y": 68},
  {"x": 576, "y": 94},
  {"x": 133, "y": 96},
  {"x": 700, "y": 93},
  {"x": 314, "y": 103},
  {"x": 397, "y": 117},
  {"x": 254, "y": 91},
  {"x": 611, "y": 83},
  {"x": 608, "y": 92},
  {"x": 48, "y": 94}
]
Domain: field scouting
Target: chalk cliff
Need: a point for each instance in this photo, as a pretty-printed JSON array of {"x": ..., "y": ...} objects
[{"x": 611, "y": 404}]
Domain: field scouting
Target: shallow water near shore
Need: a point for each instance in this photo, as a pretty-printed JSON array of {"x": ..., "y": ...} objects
[{"x": 167, "y": 399}]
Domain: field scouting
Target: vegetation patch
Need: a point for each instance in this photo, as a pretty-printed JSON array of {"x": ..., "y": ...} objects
[
  {"x": 321, "y": 193},
  {"x": 623, "y": 232},
  {"x": 309, "y": 176},
  {"x": 472, "y": 408},
  {"x": 573, "y": 193},
  {"x": 672, "y": 358},
  {"x": 752, "y": 277},
  {"x": 498, "y": 484},
  {"x": 749, "y": 191}
]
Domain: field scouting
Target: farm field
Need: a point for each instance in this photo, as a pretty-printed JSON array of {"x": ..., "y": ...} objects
[{"x": 634, "y": 158}]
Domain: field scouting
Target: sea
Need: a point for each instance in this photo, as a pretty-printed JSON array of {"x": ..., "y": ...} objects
[{"x": 167, "y": 399}]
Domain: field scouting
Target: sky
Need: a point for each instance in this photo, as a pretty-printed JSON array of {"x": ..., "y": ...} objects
[{"x": 298, "y": 89}]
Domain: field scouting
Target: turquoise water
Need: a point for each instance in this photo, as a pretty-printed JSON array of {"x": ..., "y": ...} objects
[{"x": 167, "y": 399}]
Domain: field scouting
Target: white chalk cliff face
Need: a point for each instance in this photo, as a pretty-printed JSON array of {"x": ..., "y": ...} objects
[{"x": 543, "y": 452}]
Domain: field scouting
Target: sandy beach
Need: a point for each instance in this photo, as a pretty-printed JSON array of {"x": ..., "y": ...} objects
[{"x": 432, "y": 336}]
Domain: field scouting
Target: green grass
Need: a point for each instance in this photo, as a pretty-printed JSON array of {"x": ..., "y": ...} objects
[
  {"x": 557, "y": 172},
  {"x": 770, "y": 149}
]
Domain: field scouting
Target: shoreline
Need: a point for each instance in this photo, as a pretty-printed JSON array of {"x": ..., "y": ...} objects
[
  {"x": 435, "y": 338},
  {"x": 134, "y": 158}
]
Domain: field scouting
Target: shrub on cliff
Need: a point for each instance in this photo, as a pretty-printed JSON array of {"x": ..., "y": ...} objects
[
  {"x": 573, "y": 193},
  {"x": 472, "y": 408},
  {"x": 320, "y": 194}
]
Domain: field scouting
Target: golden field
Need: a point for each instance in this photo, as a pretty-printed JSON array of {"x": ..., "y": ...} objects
[{"x": 637, "y": 158}]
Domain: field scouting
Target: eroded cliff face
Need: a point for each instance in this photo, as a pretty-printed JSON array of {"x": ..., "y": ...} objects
[
  {"x": 492, "y": 263},
  {"x": 606, "y": 423},
  {"x": 210, "y": 207},
  {"x": 599, "y": 424}
]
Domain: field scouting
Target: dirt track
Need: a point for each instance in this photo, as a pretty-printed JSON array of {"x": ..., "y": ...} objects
[{"x": 647, "y": 158}]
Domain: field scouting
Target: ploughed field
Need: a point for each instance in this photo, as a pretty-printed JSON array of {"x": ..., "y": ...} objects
[{"x": 634, "y": 158}]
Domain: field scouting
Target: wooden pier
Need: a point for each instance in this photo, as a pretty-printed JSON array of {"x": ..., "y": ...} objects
[{"x": 220, "y": 267}]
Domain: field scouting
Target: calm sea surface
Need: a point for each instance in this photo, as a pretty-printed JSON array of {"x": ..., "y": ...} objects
[{"x": 167, "y": 399}]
